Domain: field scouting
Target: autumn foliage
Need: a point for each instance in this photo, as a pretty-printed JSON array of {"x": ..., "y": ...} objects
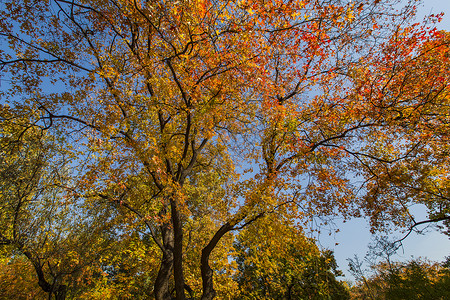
[
  {"x": 178, "y": 124},
  {"x": 414, "y": 279}
]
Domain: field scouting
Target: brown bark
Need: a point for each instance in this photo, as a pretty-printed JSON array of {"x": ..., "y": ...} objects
[
  {"x": 207, "y": 273},
  {"x": 161, "y": 287},
  {"x": 56, "y": 289},
  {"x": 60, "y": 293},
  {"x": 45, "y": 286},
  {"x": 177, "y": 251}
]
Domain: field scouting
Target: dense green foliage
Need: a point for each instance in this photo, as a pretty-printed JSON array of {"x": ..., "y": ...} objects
[{"x": 415, "y": 279}]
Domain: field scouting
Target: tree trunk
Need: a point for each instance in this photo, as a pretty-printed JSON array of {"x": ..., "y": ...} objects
[
  {"x": 162, "y": 291},
  {"x": 177, "y": 251},
  {"x": 161, "y": 287},
  {"x": 289, "y": 291},
  {"x": 42, "y": 282},
  {"x": 207, "y": 273},
  {"x": 61, "y": 291}
]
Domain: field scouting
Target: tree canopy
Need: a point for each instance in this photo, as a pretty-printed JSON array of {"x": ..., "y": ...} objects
[
  {"x": 178, "y": 124},
  {"x": 414, "y": 279}
]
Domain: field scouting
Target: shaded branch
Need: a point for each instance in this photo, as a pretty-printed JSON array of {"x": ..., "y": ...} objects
[{"x": 411, "y": 229}]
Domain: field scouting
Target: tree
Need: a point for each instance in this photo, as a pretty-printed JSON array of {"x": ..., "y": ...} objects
[
  {"x": 18, "y": 280},
  {"x": 410, "y": 89},
  {"x": 27, "y": 198},
  {"x": 276, "y": 261},
  {"x": 273, "y": 100},
  {"x": 40, "y": 221},
  {"x": 415, "y": 279}
]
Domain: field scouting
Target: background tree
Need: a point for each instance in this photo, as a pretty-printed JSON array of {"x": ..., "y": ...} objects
[
  {"x": 18, "y": 279},
  {"x": 40, "y": 221},
  {"x": 415, "y": 279},
  {"x": 276, "y": 261}
]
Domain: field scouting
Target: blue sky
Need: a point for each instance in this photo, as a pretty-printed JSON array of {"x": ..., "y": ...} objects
[
  {"x": 354, "y": 236},
  {"x": 434, "y": 7}
]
